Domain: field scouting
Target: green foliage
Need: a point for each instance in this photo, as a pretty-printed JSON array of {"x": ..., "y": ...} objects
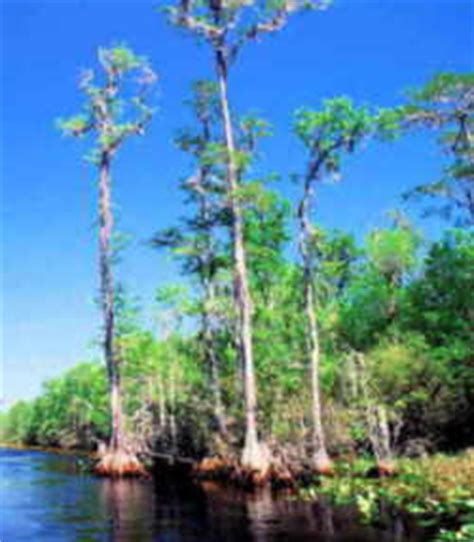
[
  {"x": 120, "y": 59},
  {"x": 337, "y": 255},
  {"x": 436, "y": 490},
  {"x": 400, "y": 371},
  {"x": 443, "y": 87},
  {"x": 463, "y": 534},
  {"x": 439, "y": 307},
  {"x": 393, "y": 252},
  {"x": 71, "y": 412},
  {"x": 445, "y": 104},
  {"x": 76, "y": 125},
  {"x": 364, "y": 309},
  {"x": 17, "y": 423},
  {"x": 338, "y": 122},
  {"x": 443, "y": 296},
  {"x": 236, "y": 22},
  {"x": 111, "y": 111}
]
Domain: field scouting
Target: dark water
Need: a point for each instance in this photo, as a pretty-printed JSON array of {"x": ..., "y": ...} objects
[{"x": 44, "y": 498}]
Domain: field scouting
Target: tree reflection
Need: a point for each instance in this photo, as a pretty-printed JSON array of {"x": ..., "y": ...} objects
[{"x": 128, "y": 506}]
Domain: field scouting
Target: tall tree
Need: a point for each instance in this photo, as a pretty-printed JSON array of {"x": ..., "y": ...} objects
[
  {"x": 112, "y": 115},
  {"x": 227, "y": 27},
  {"x": 327, "y": 134},
  {"x": 446, "y": 104}
]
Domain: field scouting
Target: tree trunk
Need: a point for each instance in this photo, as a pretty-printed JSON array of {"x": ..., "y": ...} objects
[
  {"x": 254, "y": 455},
  {"x": 377, "y": 422},
  {"x": 116, "y": 461},
  {"x": 321, "y": 461},
  {"x": 107, "y": 298},
  {"x": 116, "y": 440},
  {"x": 379, "y": 433}
]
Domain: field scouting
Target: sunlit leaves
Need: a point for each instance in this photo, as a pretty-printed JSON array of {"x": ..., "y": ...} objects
[
  {"x": 443, "y": 297},
  {"x": 393, "y": 252},
  {"x": 119, "y": 59},
  {"x": 444, "y": 88},
  {"x": 338, "y": 122},
  {"x": 76, "y": 125},
  {"x": 388, "y": 123},
  {"x": 70, "y": 412},
  {"x": 111, "y": 111},
  {"x": 253, "y": 128},
  {"x": 339, "y": 127},
  {"x": 446, "y": 103}
]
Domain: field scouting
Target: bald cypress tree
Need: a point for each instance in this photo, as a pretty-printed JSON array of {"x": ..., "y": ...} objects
[
  {"x": 110, "y": 116},
  {"x": 327, "y": 134}
]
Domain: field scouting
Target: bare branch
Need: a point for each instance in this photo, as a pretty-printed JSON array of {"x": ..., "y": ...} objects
[
  {"x": 275, "y": 23},
  {"x": 280, "y": 18},
  {"x": 208, "y": 31}
]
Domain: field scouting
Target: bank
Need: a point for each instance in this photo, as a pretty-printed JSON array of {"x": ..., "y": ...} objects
[{"x": 438, "y": 490}]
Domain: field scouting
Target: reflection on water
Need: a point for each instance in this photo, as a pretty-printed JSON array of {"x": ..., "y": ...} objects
[{"x": 45, "y": 498}]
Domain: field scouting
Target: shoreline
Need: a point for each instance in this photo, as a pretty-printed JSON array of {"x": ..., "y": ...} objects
[{"x": 48, "y": 449}]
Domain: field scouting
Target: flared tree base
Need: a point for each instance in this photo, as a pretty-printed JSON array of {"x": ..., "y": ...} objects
[
  {"x": 256, "y": 457},
  {"x": 386, "y": 469},
  {"x": 255, "y": 463},
  {"x": 120, "y": 464},
  {"x": 228, "y": 471},
  {"x": 322, "y": 465}
]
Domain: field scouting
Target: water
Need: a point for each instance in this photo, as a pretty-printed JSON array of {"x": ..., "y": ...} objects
[{"x": 45, "y": 498}]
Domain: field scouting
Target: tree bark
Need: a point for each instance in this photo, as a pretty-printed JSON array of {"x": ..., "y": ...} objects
[
  {"x": 321, "y": 459},
  {"x": 107, "y": 298},
  {"x": 117, "y": 460},
  {"x": 377, "y": 423},
  {"x": 379, "y": 433},
  {"x": 253, "y": 455}
]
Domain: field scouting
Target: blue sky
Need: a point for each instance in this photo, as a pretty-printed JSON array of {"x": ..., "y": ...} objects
[{"x": 370, "y": 50}]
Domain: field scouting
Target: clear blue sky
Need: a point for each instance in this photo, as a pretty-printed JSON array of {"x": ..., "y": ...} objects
[{"x": 371, "y": 50}]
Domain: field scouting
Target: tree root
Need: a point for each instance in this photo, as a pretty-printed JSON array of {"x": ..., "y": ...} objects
[
  {"x": 383, "y": 469},
  {"x": 386, "y": 469},
  {"x": 231, "y": 471},
  {"x": 256, "y": 456},
  {"x": 323, "y": 466},
  {"x": 120, "y": 464}
]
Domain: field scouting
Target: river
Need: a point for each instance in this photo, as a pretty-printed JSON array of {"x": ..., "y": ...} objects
[{"x": 47, "y": 497}]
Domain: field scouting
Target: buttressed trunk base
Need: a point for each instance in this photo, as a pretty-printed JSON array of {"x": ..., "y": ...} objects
[
  {"x": 118, "y": 464},
  {"x": 255, "y": 455},
  {"x": 117, "y": 460}
]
